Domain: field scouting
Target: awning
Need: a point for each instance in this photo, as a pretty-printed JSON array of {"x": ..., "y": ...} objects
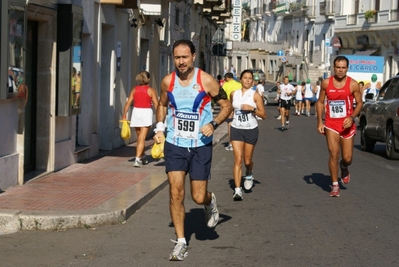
[{"x": 367, "y": 52}]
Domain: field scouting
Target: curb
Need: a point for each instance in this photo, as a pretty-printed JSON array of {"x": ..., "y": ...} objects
[{"x": 114, "y": 211}]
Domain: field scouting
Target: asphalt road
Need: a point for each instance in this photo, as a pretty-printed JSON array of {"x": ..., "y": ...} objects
[{"x": 288, "y": 219}]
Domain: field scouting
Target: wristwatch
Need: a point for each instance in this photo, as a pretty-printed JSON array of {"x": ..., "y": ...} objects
[
  {"x": 353, "y": 118},
  {"x": 214, "y": 124},
  {"x": 254, "y": 110}
]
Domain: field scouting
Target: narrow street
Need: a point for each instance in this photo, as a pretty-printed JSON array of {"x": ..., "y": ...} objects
[{"x": 288, "y": 219}]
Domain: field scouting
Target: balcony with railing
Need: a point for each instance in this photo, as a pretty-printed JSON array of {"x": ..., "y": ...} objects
[
  {"x": 311, "y": 13},
  {"x": 257, "y": 12},
  {"x": 327, "y": 8},
  {"x": 394, "y": 15},
  {"x": 387, "y": 19},
  {"x": 267, "y": 47},
  {"x": 293, "y": 8}
]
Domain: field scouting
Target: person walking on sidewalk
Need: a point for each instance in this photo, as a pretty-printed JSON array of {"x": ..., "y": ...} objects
[
  {"x": 187, "y": 93},
  {"x": 339, "y": 127},
  {"x": 229, "y": 87},
  {"x": 144, "y": 99},
  {"x": 286, "y": 92},
  {"x": 248, "y": 105}
]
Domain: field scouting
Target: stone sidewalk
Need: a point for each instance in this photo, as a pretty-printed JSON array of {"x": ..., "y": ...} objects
[{"x": 107, "y": 190}]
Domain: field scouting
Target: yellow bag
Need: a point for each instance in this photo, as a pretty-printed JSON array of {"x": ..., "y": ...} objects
[
  {"x": 157, "y": 150},
  {"x": 125, "y": 132}
]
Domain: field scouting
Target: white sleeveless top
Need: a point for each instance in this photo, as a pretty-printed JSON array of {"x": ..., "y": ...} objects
[
  {"x": 308, "y": 91},
  {"x": 298, "y": 95},
  {"x": 243, "y": 119}
]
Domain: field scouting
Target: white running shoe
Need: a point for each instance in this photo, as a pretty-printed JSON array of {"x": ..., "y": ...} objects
[
  {"x": 138, "y": 163},
  {"x": 248, "y": 182},
  {"x": 229, "y": 148},
  {"x": 279, "y": 117},
  {"x": 237, "y": 194},
  {"x": 212, "y": 213},
  {"x": 179, "y": 251}
]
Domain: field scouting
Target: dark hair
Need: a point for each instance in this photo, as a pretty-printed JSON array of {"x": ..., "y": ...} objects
[
  {"x": 318, "y": 82},
  {"x": 185, "y": 42},
  {"x": 229, "y": 75},
  {"x": 361, "y": 82},
  {"x": 219, "y": 77},
  {"x": 246, "y": 71},
  {"x": 342, "y": 58},
  {"x": 303, "y": 83}
]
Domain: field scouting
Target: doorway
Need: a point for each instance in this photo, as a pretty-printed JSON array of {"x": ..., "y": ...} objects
[{"x": 31, "y": 104}]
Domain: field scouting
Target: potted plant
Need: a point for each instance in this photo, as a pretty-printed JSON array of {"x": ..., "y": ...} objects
[{"x": 370, "y": 14}]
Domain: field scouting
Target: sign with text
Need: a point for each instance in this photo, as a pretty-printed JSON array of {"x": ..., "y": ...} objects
[
  {"x": 361, "y": 68},
  {"x": 236, "y": 25}
]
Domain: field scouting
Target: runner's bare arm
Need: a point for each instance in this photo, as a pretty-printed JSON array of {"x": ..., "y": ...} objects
[
  {"x": 213, "y": 89},
  {"x": 320, "y": 106}
]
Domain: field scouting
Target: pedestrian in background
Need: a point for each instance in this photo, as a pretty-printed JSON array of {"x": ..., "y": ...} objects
[
  {"x": 339, "y": 127},
  {"x": 244, "y": 131},
  {"x": 308, "y": 95},
  {"x": 361, "y": 86},
  {"x": 144, "y": 99},
  {"x": 278, "y": 99},
  {"x": 185, "y": 100},
  {"x": 298, "y": 92},
  {"x": 289, "y": 75},
  {"x": 229, "y": 87},
  {"x": 286, "y": 92}
]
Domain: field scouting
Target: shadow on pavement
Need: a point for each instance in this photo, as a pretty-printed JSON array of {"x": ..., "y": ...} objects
[
  {"x": 195, "y": 225},
  {"x": 321, "y": 180},
  {"x": 232, "y": 185}
]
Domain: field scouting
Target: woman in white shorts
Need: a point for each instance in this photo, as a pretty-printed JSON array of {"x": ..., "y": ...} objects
[{"x": 144, "y": 98}]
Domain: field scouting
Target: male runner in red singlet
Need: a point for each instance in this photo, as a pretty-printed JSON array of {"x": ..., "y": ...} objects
[{"x": 339, "y": 128}]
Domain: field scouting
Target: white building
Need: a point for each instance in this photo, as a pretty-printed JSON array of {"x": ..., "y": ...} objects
[{"x": 107, "y": 42}]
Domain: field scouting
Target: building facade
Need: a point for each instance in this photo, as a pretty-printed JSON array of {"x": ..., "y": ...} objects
[
  {"x": 70, "y": 67},
  {"x": 369, "y": 28}
]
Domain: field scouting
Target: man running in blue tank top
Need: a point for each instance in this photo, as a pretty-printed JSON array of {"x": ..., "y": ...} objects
[{"x": 185, "y": 102}]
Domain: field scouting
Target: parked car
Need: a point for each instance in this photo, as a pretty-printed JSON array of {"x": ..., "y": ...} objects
[
  {"x": 379, "y": 119},
  {"x": 261, "y": 74},
  {"x": 271, "y": 94}
]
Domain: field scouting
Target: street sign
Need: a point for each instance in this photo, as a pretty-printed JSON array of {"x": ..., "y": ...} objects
[
  {"x": 280, "y": 53},
  {"x": 327, "y": 42},
  {"x": 283, "y": 59}
]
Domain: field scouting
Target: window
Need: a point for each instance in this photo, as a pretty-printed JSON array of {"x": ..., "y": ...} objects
[
  {"x": 377, "y": 5},
  {"x": 177, "y": 17},
  {"x": 390, "y": 90},
  {"x": 16, "y": 54},
  {"x": 69, "y": 49}
]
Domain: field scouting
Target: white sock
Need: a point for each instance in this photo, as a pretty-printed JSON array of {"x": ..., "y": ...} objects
[
  {"x": 182, "y": 240},
  {"x": 138, "y": 159},
  {"x": 335, "y": 183}
]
